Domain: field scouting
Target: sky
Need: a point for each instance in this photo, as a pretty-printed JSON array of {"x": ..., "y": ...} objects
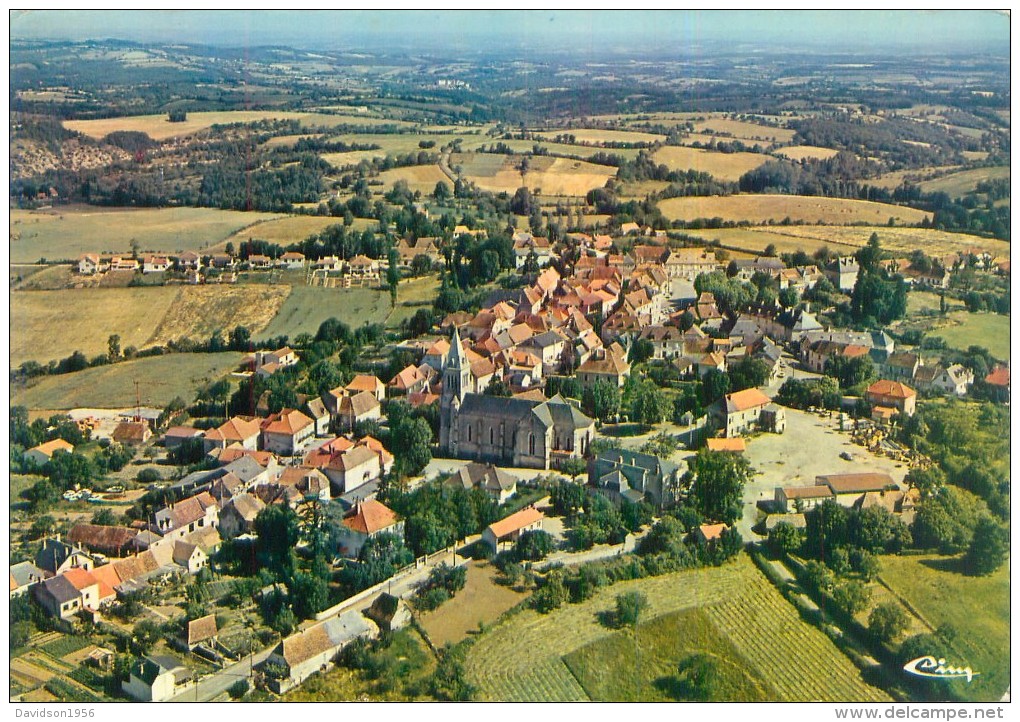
[{"x": 468, "y": 30}]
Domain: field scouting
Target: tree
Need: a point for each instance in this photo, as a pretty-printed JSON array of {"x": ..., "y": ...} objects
[
  {"x": 278, "y": 531},
  {"x": 749, "y": 373},
  {"x": 113, "y": 347},
  {"x": 785, "y": 538},
  {"x": 850, "y": 371},
  {"x": 629, "y": 607},
  {"x": 788, "y": 297},
  {"x": 602, "y": 400},
  {"x": 421, "y": 265},
  {"x": 533, "y": 545},
  {"x": 718, "y": 484},
  {"x": 550, "y": 595},
  {"x": 641, "y": 350},
  {"x": 649, "y": 404},
  {"x": 714, "y": 385},
  {"x": 145, "y": 635},
  {"x": 826, "y": 529},
  {"x": 697, "y": 677},
  {"x": 988, "y": 549},
  {"x": 567, "y": 498},
  {"x": 411, "y": 440},
  {"x": 310, "y": 594},
  {"x": 42, "y": 526},
  {"x": 888, "y": 621},
  {"x": 851, "y": 597},
  {"x": 573, "y": 467},
  {"x": 442, "y": 191}
]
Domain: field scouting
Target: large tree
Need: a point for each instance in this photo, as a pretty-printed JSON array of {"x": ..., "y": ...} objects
[
  {"x": 718, "y": 484},
  {"x": 602, "y": 400},
  {"x": 988, "y": 549}
]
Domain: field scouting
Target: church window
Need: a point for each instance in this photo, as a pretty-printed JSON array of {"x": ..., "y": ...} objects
[{"x": 531, "y": 443}]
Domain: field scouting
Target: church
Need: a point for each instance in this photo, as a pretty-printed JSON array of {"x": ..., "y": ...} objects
[{"x": 506, "y": 431}]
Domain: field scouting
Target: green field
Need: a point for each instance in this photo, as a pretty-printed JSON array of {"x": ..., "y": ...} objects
[
  {"x": 72, "y": 231},
  {"x": 160, "y": 379},
  {"x": 640, "y": 667},
  {"x": 978, "y": 608},
  {"x": 413, "y": 294},
  {"x": 990, "y": 330},
  {"x": 522, "y": 658},
  {"x": 308, "y": 306}
]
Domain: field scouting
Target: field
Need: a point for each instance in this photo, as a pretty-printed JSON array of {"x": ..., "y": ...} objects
[
  {"x": 990, "y": 330},
  {"x": 307, "y": 307},
  {"x": 292, "y": 229},
  {"x": 547, "y": 175},
  {"x": 594, "y": 135},
  {"x": 639, "y": 667},
  {"x": 723, "y": 166},
  {"x": 480, "y": 601},
  {"x": 809, "y": 209},
  {"x": 522, "y": 658},
  {"x": 640, "y": 189},
  {"x": 71, "y": 231},
  {"x": 412, "y": 294},
  {"x": 800, "y": 152},
  {"x": 53, "y": 324},
  {"x": 958, "y": 184},
  {"x": 977, "y": 608},
  {"x": 41, "y": 278},
  {"x": 744, "y": 130},
  {"x": 160, "y": 379},
  {"x": 158, "y": 127},
  {"x": 418, "y": 178},
  {"x": 894, "y": 240},
  {"x": 896, "y": 178},
  {"x": 198, "y": 311}
]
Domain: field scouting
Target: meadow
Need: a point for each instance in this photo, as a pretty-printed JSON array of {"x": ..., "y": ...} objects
[
  {"x": 158, "y": 127},
  {"x": 744, "y": 130},
  {"x": 966, "y": 329},
  {"x": 978, "y": 609},
  {"x": 198, "y": 311},
  {"x": 307, "y": 307},
  {"x": 527, "y": 656},
  {"x": 723, "y": 166},
  {"x": 73, "y": 230},
  {"x": 808, "y": 209},
  {"x": 420, "y": 178},
  {"x": 291, "y": 229}
]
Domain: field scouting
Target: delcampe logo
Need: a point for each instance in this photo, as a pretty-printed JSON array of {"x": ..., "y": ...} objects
[{"x": 931, "y": 667}]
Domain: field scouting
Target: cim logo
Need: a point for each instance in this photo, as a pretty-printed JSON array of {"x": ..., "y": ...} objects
[{"x": 937, "y": 668}]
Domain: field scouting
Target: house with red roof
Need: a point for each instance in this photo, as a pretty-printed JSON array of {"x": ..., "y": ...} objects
[
  {"x": 893, "y": 395},
  {"x": 509, "y": 530},
  {"x": 742, "y": 411},
  {"x": 998, "y": 383},
  {"x": 241, "y": 430},
  {"x": 368, "y": 519},
  {"x": 283, "y": 433}
]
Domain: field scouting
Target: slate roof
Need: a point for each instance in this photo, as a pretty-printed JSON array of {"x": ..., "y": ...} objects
[
  {"x": 484, "y": 476},
  {"x": 60, "y": 588}
]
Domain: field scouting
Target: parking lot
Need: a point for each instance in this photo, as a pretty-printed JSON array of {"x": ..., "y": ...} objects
[{"x": 810, "y": 446}]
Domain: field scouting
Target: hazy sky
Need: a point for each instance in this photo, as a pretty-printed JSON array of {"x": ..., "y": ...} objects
[{"x": 467, "y": 30}]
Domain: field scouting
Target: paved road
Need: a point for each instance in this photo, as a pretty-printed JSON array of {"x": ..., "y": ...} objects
[{"x": 216, "y": 684}]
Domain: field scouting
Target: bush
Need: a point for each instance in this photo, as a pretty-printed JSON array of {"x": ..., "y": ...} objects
[
  {"x": 629, "y": 607},
  {"x": 238, "y": 689},
  {"x": 148, "y": 476},
  {"x": 429, "y": 599},
  {"x": 887, "y": 621}
]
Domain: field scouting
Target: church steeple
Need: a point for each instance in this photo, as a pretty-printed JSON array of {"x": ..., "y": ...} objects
[
  {"x": 455, "y": 358},
  {"x": 456, "y": 385}
]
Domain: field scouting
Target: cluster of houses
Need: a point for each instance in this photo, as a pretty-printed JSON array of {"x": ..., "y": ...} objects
[
  {"x": 90, "y": 264},
  {"x": 857, "y": 490}
]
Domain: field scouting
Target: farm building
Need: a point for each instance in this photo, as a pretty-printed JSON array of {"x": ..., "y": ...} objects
[
  {"x": 44, "y": 452},
  {"x": 509, "y": 530},
  {"x": 847, "y": 489},
  {"x": 801, "y": 498},
  {"x": 315, "y": 649}
]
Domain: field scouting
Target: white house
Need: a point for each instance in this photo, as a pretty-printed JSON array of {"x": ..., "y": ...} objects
[{"x": 155, "y": 679}]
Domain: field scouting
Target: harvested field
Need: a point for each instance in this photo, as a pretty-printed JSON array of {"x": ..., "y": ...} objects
[
  {"x": 29, "y": 675},
  {"x": 743, "y": 130},
  {"x": 800, "y": 152},
  {"x": 290, "y": 229},
  {"x": 42, "y": 278},
  {"x": 978, "y": 609},
  {"x": 286, "y": 141},
  {"x": 85, "y": 319},
  {"x": 158, "y": 127},
  {"x": 421, "y": 178},
  {"x": 160, "y": 379},
  {"x": 808, "y": 209},
  {"x": 723, "y": 166},
  {"x": 755, "y": 240},
  {"x": 481, "y": 601},
  {"x": 522, "y": 658},
  {"x": 546, "y": 175},
  {"x": 198, "y": 311},
  {"x": 640, "y": 189},
  {"x": 895, "y": 179},
  {"x": 596, "y": 135},
  {"x": 308, "y": 306},
  {"x": 894, "y": 240},
  {"x": 958, "y": 184},
  {"x": 74, "y": 230}
]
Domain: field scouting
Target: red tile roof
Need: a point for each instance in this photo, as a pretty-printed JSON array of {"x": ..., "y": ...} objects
[
  {"x": 893, "y": 389},
  {"x": 515, "y": 522},
  {"x": 371, "y": 517}
]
